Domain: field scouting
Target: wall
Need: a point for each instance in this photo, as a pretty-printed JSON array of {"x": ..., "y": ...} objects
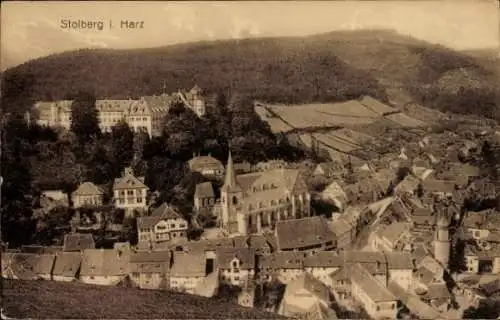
[
  {"x": 102, "y": 280},
  {"x": 402, "y": 277},
  {"x": 63, "y": 278},
  {"x": 185, "y": 284}
]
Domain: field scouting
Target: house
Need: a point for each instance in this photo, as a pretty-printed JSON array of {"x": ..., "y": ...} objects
[
  {"x": 483, "y": 257},
  {"x": 394, "y": 237},
  {"x": 147, "y": 114},
  {"x": 374, "y": 262},
  {"x": 254, "y": 202},
  {"x": 400, "y": 267},
  {"x": 303, "y": 295},
  {"x": 482, "y": 225},
  {"x": 87, "y": 194},
  {"x": 194, "y": 100},
  {"x": 207, "y": 165},
  {"x": 204, "y": 196},
  {"x": 310, "y": 234},
  {"x": 440, "y": 188},
  {"x": 438, "y": 296},
  {"x": 67, "y": 266},
  {"x": 330, "y": 170},
  {"x": 375, "y": 298},
  {"x": 270, "y": 165},
  {"x": 150, "y": 270},
  {"x": 55, "y": 195},
  {"x": 284, "y": 266},
  {"x": 322, "y": 264},
  {"x": 188, "y": 271},
  {"x": 78, "y": 242},
  {"x": 130, "y": 193},
  {"x": 262, "y": 244},
  {"x": 340, "y": 287},
  {"x": 104, "y": 266},
  {"x": 236, "y": 265},
  {"x": 27, "y": 266},
  {"x": 344, "y": 232},
  {"x": 165, "y": 225},
  {"x": 243, "y": 167},
  {"x": 335, "y": 193}
]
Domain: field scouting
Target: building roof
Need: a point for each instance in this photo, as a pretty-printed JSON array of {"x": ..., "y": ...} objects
[
  {"x": 88, "y": 189},
  {"x": 399, "y": 260},
  {"x": 202, "y": 163},
  {"x": 67, "y": 264},
  {"x": 394, "y": 231},
  {"x": 105, "y": 262},
  {"x": 299, "y": 233},
  {"x": 78, "y": 242},
  {"x": 306, "y": 281},
  {"x": 340, "y": 227},
  {"x": 437, "y": 291},
  {"x": 26, "y": 266},
  {"x": 191, "y": 264},
  {"x": 372, "y": 288},
  {"x": 374, "y": 262},
  {"x": 246, "y": 256},
  {"x": 324, "y": 259},
  {"x": 129, "y": 181},
  {"x": 436, "y": 186},
  {"x": 409, "y": 184},
  {"x": 284, "y": 260},
  {"x": 166, "y": 211},
  {"x": 150, "y": 262},
  {"x": 204, "y": 190}
]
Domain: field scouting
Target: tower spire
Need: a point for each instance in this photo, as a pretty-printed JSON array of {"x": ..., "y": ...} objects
[{"x": 230, "y": 181}]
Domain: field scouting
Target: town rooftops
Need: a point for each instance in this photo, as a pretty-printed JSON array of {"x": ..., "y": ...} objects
[
  {"x": 202, "y": 163},
  {"x": 67, "y": 264},
  {"x": 204, "y": 190},
  {"x": 78, "y": 242},
  {"x": 26, "y": 266},
  {"x": 284, "y": 260},
  {"x": 373, "y": 289},
  {"x": 105, "y": 262},
  {"x": 374, "y": 262},
  {"x": 88, "y": 189},
  {"x": 246, "y": 256},
  {"x": 188, "y": 265},
  {"x": 438, "y": 186},
  {"x": 305, "y": 232},
  {"x": 165, "y": 211},
  {"x": 150, "y": 262}
]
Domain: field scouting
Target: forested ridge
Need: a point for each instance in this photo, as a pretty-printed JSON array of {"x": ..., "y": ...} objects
[{"x": 334, "y": 66}]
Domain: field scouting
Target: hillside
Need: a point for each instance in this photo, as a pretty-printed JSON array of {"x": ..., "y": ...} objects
[
  {"x": 335, "y": 66},
  {"x": 56, "y": 300}
]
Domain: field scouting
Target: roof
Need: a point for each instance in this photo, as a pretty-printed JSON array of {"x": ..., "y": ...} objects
[
  {"x": 205, "y": 163},
  {"x": 394, "y": 231},
  {"x": 129, "y": 181},
  {"x": 165, "y": 211},
  {"x": 150, "y": 262},
  {"x": 26, "y": 266},
  {"x": 409, "y": 184},
  {"x": 437, "y": 291},
  {"x": 67, "y": 264},
  {"x": 413, "y": 302},
  {"x": 299, "y": 233},
  {"x": 188, "y": 265},
  {"x": 105, "y": 262},
  {"x": 340, "y": 227},
  {"x": 88, "y": 189},
  {"x": 399, "y": 260},
  {"x": 306, "y": 281},
  {"x": 434, "y": 185},
  {"x": 78, "y": 242},
  {"x": 284, "y": 260},
  {"x": 374, "y": 262},
  {"x": 246, "y": 256},
  {"x": 204, "y": 190},
  {"x": 324, "y": 259},
  {"x": 372, "y": 288}
]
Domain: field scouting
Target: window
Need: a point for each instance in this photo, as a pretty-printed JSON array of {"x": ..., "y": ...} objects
[
  {"x": 378, "y": 308},
  {"x": 172, "y": 225},
  {"x": 130, "y": 192},
  {"x": 122, "y": 193},
  {"x": 235, "y": 200},
  {"x": 139, "y": 200},
  {"x": 161, "y": 227},
  {"x": 477, "y": 233}
]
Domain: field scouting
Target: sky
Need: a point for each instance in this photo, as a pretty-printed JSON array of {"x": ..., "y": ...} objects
[{"x": 31, "y": 30}]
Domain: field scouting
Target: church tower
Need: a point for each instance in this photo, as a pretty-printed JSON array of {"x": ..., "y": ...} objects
[
  {"x": 442, "y": 240},
  {"x": 231, "y": 198}
]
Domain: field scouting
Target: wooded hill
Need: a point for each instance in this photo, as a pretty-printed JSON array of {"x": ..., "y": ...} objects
[{"x": 334, "y": 66}]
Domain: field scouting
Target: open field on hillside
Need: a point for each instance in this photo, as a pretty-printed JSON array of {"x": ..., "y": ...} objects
[{"x": 56, "y": 300}]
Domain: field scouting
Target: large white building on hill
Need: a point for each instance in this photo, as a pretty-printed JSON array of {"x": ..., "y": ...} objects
[{"x": 145, "y": 114}]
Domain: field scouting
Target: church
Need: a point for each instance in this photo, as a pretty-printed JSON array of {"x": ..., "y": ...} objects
[{"x": 254, "y": 202}]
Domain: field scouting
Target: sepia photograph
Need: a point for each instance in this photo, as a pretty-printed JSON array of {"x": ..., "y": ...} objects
[{"x": 309, "y": 160}]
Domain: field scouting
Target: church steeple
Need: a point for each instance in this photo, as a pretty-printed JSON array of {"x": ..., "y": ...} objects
[{"x": 230, "y": 181}]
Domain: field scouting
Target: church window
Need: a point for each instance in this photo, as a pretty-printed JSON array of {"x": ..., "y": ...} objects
[{"x": 235, "y": 200}]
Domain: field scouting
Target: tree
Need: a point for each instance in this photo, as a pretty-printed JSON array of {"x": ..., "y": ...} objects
[
  {"x": 84, "y": 118},
  {"x": 487, "y": 309},
  {"x": 16, "y": 196},
  {"x": 122, "y": 146}
]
